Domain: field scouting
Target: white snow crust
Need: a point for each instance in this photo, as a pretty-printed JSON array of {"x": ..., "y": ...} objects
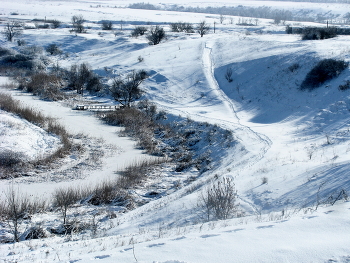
[{"x": 275, "y": 125}]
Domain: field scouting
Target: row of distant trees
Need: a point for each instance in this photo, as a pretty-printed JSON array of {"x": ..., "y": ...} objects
[{"x": 155, "y": 35}]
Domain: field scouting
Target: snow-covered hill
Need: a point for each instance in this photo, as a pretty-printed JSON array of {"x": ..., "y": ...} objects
[{"x": 291, "y": 151}]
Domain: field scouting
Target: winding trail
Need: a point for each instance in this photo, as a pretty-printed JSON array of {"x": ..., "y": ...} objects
[
  {"x": 244, "y": 133},
  {"x": 250, "y": 139}
]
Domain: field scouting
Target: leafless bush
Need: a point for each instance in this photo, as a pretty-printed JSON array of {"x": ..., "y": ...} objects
[
  {"x": 219, "y": 199},
  {"x": 264, "y": 180},
  {"x": 35, "y": 232},
  {"x": 55, "y": 23},
  {"x": 228, "y": 74},
  {"x": 182, "y": 27},
  {"x": 5, "y": 52},
  {"x": 46, "y": 86},
  {"x": 53, "y": 49},
  {"x": 9, "y": 158},
  {"x": 109, "y": 192},
  {"x": 107, "y": 25},
  {"x": 344, "y": 86},
  {"x": 139, "y": 31},
  {"x": 156, "y": 35},
  {"x": 336, "y": 196},
  {"x": 18, "y": 207},
  {"x": 140, "y": 59},
  {"x": 325, "y": 70},
  {"x": 137, "y": 172},
  {"x": 7, "y": 103},
  {"x": 64, "y": 198}
]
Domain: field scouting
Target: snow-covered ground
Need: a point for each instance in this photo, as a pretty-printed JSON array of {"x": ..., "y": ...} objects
[{"x": 292, "y": 146}]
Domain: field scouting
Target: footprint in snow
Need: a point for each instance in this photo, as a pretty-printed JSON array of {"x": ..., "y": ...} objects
[
  {"x": 156, "y": 245},
  {"x": 309, "y": 217},
  {"x": 102, "y": 257},
  {"x": 127, "y": 249},
  {"x": 206, "y": 236},
  {"x": 178, "y": 238},
  {"x": 170, "y": 261},
  {"x": 262, "y": 227},
  {"x": 235, "y": 230}
]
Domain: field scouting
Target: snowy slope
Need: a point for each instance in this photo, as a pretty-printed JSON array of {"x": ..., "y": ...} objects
[
  {"x": 277, "y": 127},
  {"x": 31, "y": 142}
]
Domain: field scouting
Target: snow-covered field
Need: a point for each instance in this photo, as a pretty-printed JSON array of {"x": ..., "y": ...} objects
[{"x": 292, "y": 147}]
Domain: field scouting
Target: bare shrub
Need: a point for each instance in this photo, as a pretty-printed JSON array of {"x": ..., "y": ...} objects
[
  {"x": 325, "y": 70},
  {"x": 18, "y": 207},
  {"x": 182, "y": 27},
  {"x": 316, "y": 33},
  {"x": 64, "y": 198},
  {"x": 294, "y": 67},
  {"x": 264, "y": 180},
  {"x": 136, "y": 173},
  {"x": 228, "y": 74},
  {"x": 139, "y": 31},
  {"x": 219, "y": 199},
  {"x": 156, "y": 35},
  {"x": 21, "y": 42},
  {"x": 107, "y": 25},
  {"x": 46, "y": 86},
  {"x": 5, "y": 52},
  {"x": 53, "y": 49},
  {"x": 20, "y": 61},
  {"x": 344, "y": 86},
  {"x": 55, "y": 23},
  {"x": 336, "y": 196},
  {"x": 9, "y": 158},
  {"x": 140, "y": 59},
  {"x": 108, "y": 192},
  {"x": 7, "y": 103},
  {"x": 35, "y": 232}
]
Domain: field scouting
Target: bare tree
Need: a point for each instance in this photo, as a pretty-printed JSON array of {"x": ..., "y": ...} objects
[
  {"x": 14, "y": 209},
  {"x": 219, "y": 199},
  {"x": 78, "y": 23},
  {"x": 127, "y": 90},
  {"x": 79, "y": 77},
  {"x": 12, "y": 29},
  {"x": 156, "y": 34},
  {"x": 64, "y": 198},
  {"x": 203, "y": 28},
  {"x": 222, "y": 18}
]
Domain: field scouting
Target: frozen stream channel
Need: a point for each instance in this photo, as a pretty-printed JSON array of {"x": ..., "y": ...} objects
[{"x": 78, "y": 122}]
